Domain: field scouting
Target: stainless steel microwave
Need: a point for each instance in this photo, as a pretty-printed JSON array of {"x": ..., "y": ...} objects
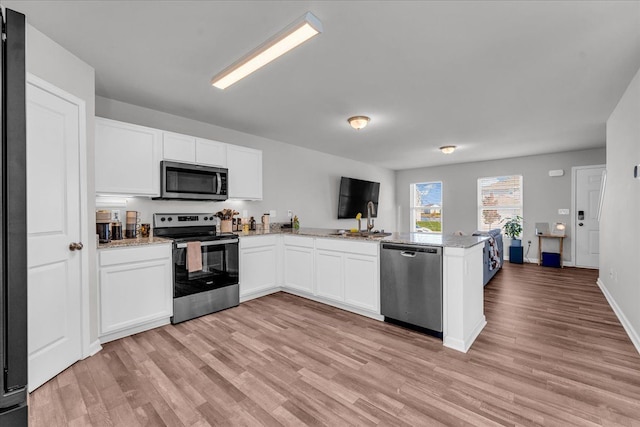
[{"x": 185, "y": 181}]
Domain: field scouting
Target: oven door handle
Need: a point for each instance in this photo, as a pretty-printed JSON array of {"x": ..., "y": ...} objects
[{"x": 211, "y": 243}]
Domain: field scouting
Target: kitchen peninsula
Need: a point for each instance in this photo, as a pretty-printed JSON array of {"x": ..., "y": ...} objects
[{"x": 326, "y": 265}]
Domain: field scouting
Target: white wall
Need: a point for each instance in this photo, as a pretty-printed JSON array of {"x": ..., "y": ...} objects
[
  {"x": 620, "y": 219},
  {"x": 54, "y": 64},
  {"x": 543, "y": 195},
  {"x": 295, "y": 178}
]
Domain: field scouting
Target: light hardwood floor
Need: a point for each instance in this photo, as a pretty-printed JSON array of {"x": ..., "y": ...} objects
[{"x": 552, "y": 353}]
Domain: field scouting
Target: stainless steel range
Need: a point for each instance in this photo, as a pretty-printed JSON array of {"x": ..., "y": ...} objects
[{"x": 205, "y": 264}]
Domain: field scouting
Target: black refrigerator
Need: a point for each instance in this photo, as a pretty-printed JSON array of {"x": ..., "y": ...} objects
[{"x": 13, "y": 224}]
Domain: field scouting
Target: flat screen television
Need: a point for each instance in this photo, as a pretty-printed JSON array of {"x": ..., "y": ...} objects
[{"x": 354, "y": 195}]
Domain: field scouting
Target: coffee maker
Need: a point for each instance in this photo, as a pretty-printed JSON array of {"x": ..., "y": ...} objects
[
  {"x": 103, "y": 226},
  {"x": 131, "y": 230}
]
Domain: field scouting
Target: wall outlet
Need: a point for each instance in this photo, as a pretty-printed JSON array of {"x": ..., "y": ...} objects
[
  {"x": 563, "y": 211},
  {"x": 272, "y": 214},
  {"x": 289, "y": 213},
  {"x": 245, "y": 213}
]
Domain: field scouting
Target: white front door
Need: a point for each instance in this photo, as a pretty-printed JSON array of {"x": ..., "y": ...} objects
[
  {"x": 53, "y": 222},
  {"x": 585, "y": 216}
]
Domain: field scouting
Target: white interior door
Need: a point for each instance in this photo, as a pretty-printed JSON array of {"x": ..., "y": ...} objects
[
  {"x": 587, "y": 229},
  {"x": 53, "y": 222}
]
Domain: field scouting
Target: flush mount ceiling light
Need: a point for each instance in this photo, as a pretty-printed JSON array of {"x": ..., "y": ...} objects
[
  {"x": 358, "y": 122},
  {"x": 294, "y": 35},
  {"x": 448, "y": 149}
]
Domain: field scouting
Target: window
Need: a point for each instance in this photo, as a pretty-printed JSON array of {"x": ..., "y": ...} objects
[
  {"x": 426, "y": 207},
  {"x": 499, "y": 198}
]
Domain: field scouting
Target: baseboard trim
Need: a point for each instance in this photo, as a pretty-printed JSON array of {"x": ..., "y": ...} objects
[
  {"x": 258, "y": 294},
  {"x": 337, "y": 304},
  {"x": 111, "y": 336},
  {"x": 464, "y": 345},
  {"x": 94, "y": 347},
  {"x": 633, "y": 334}
]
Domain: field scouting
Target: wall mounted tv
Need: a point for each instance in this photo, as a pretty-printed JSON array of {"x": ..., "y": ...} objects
[{"x": 354, "y": 195}]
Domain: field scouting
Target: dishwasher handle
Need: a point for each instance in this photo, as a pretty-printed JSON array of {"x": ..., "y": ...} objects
[
  {"x": 415, "y": 249},
  {"x": 408, "y": 254}
]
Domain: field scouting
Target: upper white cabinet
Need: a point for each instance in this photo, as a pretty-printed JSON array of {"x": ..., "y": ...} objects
[
  {"x": 245, "y": 173},
  {"x": 189, "y": 149},
  {"x": 211, "y": 153},
  {"x": 181, "y": 148},
  {"x": 127, "y": 158}
]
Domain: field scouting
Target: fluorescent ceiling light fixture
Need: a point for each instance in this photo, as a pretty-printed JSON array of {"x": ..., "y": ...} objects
[
  {"x": 358, "y": 122},
  {"x": 448, "y": 149},
  {"x": 294, "y": 35}
]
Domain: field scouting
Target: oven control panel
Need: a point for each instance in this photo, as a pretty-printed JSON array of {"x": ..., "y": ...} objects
[{"x": 183, "y": 220}]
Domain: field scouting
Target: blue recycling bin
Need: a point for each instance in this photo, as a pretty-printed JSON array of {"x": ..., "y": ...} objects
[
  {"x": 515, "y": 254},
  {"x": 550, "y": 259}
]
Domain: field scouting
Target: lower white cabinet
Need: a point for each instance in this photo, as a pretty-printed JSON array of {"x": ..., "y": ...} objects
[
  {"x": 298, "y": 263},
  {"x": 329, "y": 273},
  {"x": 348, "y": 272},
  {"x": 342, "y": 273},
  {"x": 258, "y": 266},
  {"x": 134, "y": 290},
  {"x": 362, "y": 287}
]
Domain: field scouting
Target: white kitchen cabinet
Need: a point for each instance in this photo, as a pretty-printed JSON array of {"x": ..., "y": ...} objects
[
  {"x": 347, "y": 272},
  {"x": 258, "y": 266},
  {"x": 189, "y": 149},
  {"x": 329, "y": 272},
  {"x": 135, "y": 289},
  {"x": 211, "y": 153},
  {"x": 298, "y": 263},
  {"x": 245, "y": 173},
  {"x": 178, "y": 147},
  {"x": 361, "y": 283},
  {"x": 127, "y": 158}
]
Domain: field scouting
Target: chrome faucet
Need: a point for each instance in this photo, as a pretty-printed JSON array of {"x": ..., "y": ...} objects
[{"x": 371, "y": 210}]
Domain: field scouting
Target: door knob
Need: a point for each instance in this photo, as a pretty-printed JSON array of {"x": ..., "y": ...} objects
[
  {"x": 73, "y": 246},
  {"x": 580, "y": 224}
]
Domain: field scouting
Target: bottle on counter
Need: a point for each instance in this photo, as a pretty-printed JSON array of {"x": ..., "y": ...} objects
[
  {"x": 239, "y": 224},
  {"x": 252, "y": 223},
  {"x": 116, "y": 230}
]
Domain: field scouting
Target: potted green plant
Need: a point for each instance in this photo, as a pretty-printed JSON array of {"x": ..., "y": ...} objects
[{"x": 513, "y": 229}]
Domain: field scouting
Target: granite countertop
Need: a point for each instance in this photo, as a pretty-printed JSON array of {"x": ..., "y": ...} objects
[
  {"x": 428, "y": 239},
  {"x": 423, "y": 239},
  {"x": 139, "y": 241}
]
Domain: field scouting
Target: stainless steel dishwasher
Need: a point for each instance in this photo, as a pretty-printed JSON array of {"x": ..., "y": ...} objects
[{"x": 411, "y": 286}]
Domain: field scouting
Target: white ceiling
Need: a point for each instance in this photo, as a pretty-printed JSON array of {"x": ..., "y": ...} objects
[{"x": 496, "y": 78}]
